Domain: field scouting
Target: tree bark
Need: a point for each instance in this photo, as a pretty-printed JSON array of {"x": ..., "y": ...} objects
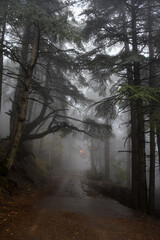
[
  {"x": 142, "y": 191},
  {"x": 152, "y": 170},
  {"x": 135, "y": 169},
  {"x": 92, "y": 152},
  {"x": 133, "y": 122},
  {"x": 28, "y": 128},
  {"x": 158, "y": 144},
  {"x": 152, "y": 123},
  {"x": 3, "y": 27},
  {"x": 20, "y": 82},
  {"x": 26, "y": 81},
  {"x": 141, "y": 168}
]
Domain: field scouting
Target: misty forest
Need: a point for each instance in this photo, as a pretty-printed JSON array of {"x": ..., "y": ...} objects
[{"x": 79, "y": 119}]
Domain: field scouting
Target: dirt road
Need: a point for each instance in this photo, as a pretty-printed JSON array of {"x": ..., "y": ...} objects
[{"x": 67, "y": 212}]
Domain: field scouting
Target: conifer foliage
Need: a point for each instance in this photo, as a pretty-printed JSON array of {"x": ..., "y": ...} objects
[
  {"x": 131, "y": 29},
  {"x": 33, "y": 38}
]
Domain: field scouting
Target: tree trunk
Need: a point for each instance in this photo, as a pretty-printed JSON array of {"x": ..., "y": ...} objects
[
  {"x": 129, "y": 162},
  {"x": 134, "y": 140},
  {"x": 142, "y": 189},
  {"x": 20, "y": 82},
  {"x": 152, "y": 170},
  {"x": 92, "y": 152},
  {"x": 158, "y": 145},
  {"x": 28, "y": 128},
  {"x": 26, "y": 81},
  {"x": 3, "y": 27},
  {"x": 30, "y": 111},
  {"x": 152, "y": 123},
  {"x": 135, "y": 168},
  {"x": 133, "y": 122}
]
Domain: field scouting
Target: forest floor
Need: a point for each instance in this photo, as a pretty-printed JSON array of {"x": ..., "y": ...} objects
[{"x": 68, "y": 209}]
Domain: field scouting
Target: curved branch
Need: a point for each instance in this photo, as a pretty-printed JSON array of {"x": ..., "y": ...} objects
[
  {"x": 53, "y": 130},
  {"x": 40, "y": 135}
]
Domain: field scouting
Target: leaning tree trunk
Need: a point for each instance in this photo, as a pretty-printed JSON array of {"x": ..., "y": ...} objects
[
  {"x": 30, "y": 126},
  {"x": 26, "y": 80},
  {"x": 20, "y": 82}
]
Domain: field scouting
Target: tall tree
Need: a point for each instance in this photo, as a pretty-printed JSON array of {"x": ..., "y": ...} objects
[
  {"x": 40, "y": 23},
  {"x": 123, "y": 25},
  {"x": 23, "y": 96},
  {"x": 142, "y": 191}
]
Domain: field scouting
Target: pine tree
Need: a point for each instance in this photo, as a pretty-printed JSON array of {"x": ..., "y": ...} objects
[
  {"x": 37, "y": 25},
  {"x": 124, "y": 24}
]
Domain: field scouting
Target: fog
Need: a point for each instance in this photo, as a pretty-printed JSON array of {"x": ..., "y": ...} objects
[
  {"x": 78, "y": 152},
  {"x": 78, "y": 91},
  {"x": 4, "y": 119}
]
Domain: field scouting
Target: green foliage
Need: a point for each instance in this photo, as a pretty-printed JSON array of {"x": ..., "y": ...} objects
[
  {"x": 146, "y": 94},
  {"x": 107, "y": 108},
  {"x": 129, "y": 58},
  {"x": 53, "y": 83},
  {"x": 51, "y": 21}
]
